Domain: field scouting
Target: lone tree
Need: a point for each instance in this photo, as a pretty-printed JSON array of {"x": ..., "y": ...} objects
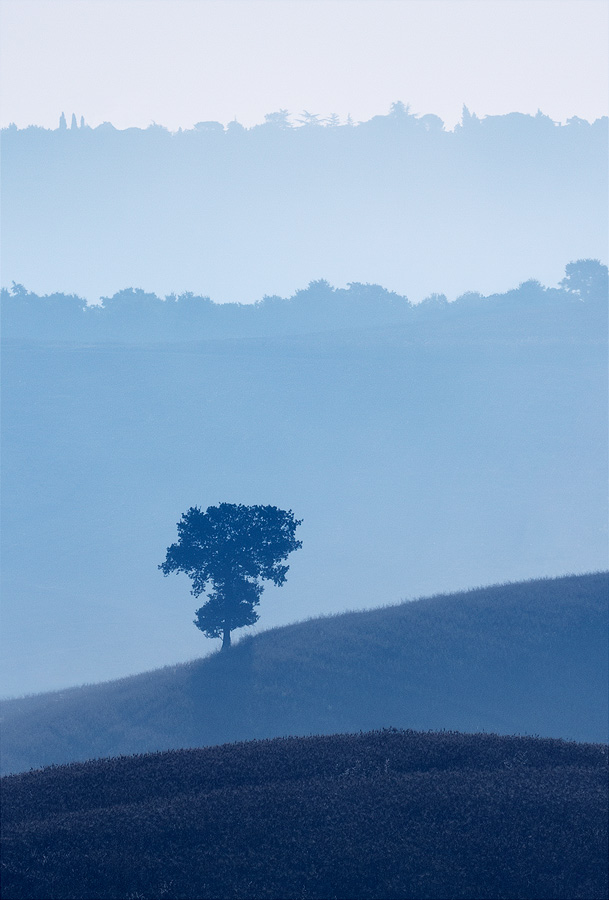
[{"x": 227, "y": 551}]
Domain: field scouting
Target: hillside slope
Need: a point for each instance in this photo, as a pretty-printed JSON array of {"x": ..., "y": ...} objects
[
  {"x": 517, "y": 658},
  {"x": 466, "y": 447},
  {"x": 385, "y": 814}
]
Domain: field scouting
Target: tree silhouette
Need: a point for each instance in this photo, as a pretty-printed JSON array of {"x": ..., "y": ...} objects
[
  {"x": 227, "y": 551},
  {"x": 586, "y": 278},
  {"x": 279, "y": 119},
  {"x": 333, "y": 120},
  {"x": 309, "y": 119},
  {"x": 400, "y": 110}
]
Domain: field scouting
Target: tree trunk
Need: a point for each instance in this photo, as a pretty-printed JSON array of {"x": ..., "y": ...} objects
[{"x": 226, "y": 639}]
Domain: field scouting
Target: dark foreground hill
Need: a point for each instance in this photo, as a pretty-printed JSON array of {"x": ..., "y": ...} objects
[
  {"x": 527, "y": 658},
  {"x": 386, "y": 814}
]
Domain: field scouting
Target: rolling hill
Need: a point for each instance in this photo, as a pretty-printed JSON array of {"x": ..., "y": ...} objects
[
  {"x": 392, "y": 814},
  {"x": 426, "y": 449},
  {"x": 527, "y": 658}
]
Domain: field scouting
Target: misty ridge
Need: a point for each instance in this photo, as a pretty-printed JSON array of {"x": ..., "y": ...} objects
[
  {"x": 429, "y": 447},
  {"x": 390, "y": 812},
  {"x": 135, "y": 316},
  {"x": 239, "y": 212}
]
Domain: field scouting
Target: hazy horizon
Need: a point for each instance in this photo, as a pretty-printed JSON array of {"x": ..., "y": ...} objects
[
  {"x": 237, "y": 214},
  {"x": 295, "y": 119},
  {"x": 424, "y": 454},
  {"x": 226, "y": 59}
]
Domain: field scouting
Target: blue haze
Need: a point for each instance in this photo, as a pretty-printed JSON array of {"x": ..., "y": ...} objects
[
  {"x": 428, "y": 448},
  {"x": 463, "y": 444},
  {"x": 237, "y": 213}
]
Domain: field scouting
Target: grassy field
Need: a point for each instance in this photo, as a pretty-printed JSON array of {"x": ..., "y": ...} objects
[
  {"x": 527, "y": 658},
  {"x": 392, "y": 814}
]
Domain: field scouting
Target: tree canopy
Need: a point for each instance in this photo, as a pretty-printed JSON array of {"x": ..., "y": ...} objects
[
  {"x": 137, "y": 316},
  {"x": 587, "y": 278},
  {"x": 228, "y": 551}
]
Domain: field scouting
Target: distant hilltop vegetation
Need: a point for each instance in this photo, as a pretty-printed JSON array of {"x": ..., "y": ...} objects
[
  {"x": 282, "y": 129},
  {"x": 399, "y": 120},
  {"x": 237, "y": 213},
  {"x": 133, "y": 315}
]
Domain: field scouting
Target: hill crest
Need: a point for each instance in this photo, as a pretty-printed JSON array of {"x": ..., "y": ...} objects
[
  {"x": 390, "y": 813},
  {"x": 529, "y": 657}
]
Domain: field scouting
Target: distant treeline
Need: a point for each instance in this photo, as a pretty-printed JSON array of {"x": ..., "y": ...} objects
[
  {"x": 237, "y": 212},
  {"x": 399, "y": 121},
  {"x": 133, "y": 315}
]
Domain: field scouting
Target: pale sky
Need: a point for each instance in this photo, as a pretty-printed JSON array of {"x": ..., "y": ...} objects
[{"x": 177, "y": 62}]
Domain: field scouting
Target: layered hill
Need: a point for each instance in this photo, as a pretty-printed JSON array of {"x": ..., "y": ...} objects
[
  {"x": 526, "y": 658},
  {"x": 426, "y": 449},
  {"x": 238, "y": 213},
  {"x": 384, "y": 814}
]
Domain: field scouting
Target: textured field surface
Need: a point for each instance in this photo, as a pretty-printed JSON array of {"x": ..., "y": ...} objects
[{"x": 392, "y": 814}]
